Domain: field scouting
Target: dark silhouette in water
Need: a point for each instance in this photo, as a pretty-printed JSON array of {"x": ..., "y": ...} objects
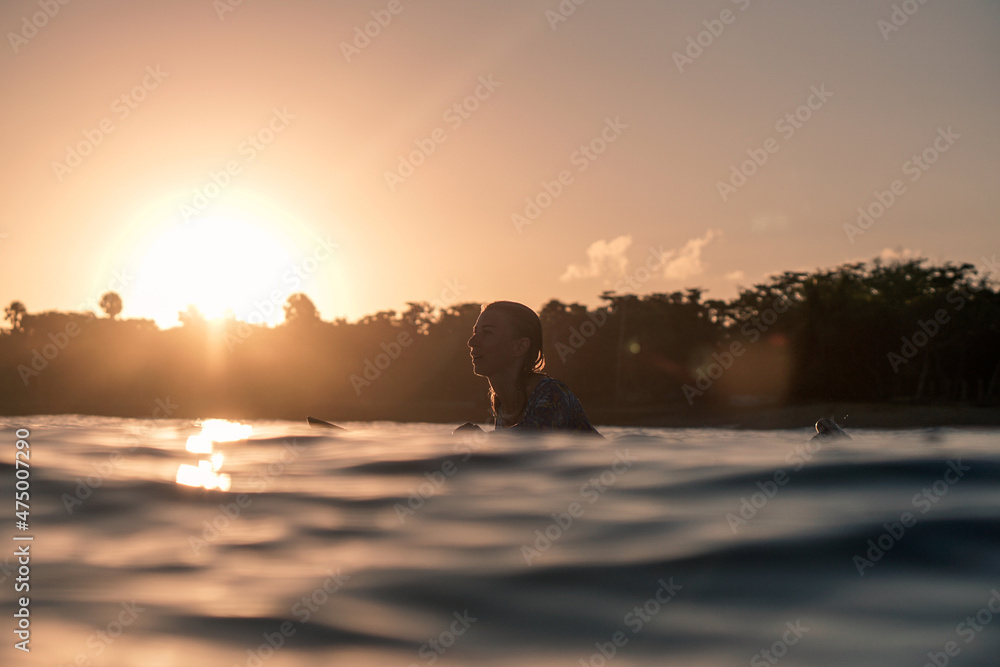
[
  {"x": 506, "y": 349},
  {"x": 901, "y": 333},
  {"x": 827, "y": 429},
  {"x": 320, "y": 423}
]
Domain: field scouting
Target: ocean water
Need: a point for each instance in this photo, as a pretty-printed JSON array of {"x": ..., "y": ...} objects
[{"x": 172, "y": 543}]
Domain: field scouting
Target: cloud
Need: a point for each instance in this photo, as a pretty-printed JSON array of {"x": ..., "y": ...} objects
[
  {"x": 686, "y": 262},
  {"x": 886, "y": 256},
  {"x": 605, "y": 259},
  {"x": 735, "y": 276},
  {"x": 897, "y": 254}
]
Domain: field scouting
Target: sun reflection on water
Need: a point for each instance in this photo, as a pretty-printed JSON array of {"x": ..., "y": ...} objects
[{"x": 206, "y": 474}]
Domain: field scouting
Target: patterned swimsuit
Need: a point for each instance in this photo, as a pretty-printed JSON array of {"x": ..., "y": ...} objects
[{"x": 551, "y": 407}]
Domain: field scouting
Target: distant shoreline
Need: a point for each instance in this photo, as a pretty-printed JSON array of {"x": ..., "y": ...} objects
[
  {"x": 774, "y": 417},
  {"x": 898, "y": 345},
  {"x": 848, "y": 415}
]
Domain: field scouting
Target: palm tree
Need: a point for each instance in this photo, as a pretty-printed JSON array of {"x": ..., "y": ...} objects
[
  {"x": 14, "y": 313},
  {"x": 299, "y": 309},
  {"x": 111, "y": 304}
]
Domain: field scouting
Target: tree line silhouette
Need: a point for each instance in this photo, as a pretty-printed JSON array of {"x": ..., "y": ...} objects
[{"x": 897, "y": 332}]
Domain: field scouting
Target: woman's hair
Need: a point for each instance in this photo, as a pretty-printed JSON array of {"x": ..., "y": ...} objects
[{"x": 526, "y": 324}]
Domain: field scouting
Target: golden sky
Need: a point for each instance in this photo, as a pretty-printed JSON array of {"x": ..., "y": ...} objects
[{"x": 373, "y": 153}]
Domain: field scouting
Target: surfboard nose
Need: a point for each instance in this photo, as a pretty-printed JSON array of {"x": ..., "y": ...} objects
[{"x": 827, "y": 428}]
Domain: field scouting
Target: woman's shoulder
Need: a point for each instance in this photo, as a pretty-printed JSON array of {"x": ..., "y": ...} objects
[
  {"x": 553, "y": 405},
  {"x": 548, "y": 391},
  {"x": 546, "y": 385}
]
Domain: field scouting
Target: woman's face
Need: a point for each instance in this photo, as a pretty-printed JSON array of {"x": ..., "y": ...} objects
[{"x": 493, "y": 346}]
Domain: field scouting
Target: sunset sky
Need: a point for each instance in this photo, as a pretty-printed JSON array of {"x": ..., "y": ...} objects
[{"x": 228, "y": 155}]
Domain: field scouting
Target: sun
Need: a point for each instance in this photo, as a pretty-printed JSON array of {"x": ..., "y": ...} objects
[{"x": 220, "y": 264}]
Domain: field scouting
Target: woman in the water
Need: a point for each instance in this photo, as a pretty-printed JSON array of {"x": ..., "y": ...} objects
[{"x": 506, "y": 349}]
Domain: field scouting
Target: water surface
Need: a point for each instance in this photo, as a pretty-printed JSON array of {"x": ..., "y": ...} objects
[{"x": 399, "y": 544}]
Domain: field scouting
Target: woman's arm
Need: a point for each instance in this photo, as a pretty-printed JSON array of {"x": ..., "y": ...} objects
[{"x": 467, "y": 426}]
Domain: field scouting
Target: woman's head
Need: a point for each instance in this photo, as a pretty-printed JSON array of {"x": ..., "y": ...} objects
[{"x": 507, "y": 337}]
